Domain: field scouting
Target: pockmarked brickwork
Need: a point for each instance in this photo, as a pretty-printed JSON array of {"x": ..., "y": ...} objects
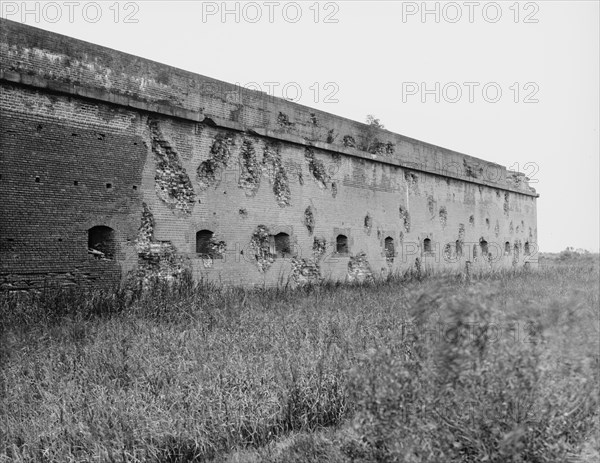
[{"x": 117, "y": 169}]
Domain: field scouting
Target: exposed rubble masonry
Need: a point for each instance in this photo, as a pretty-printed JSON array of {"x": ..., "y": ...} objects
[
  {"x": 405, "y": 217},
  {"x": 158, "y": 261},
  {"x": 316, "y": 167},
  {"x": 250, "y": 170},
  {"x": 276, "y": 173},
  {"x": 306, "y": 271},
  {"x": 309, "y": 219},
  {"x": 220, "y": 152},
  {"x": 172, "y": 183},
  {"x": 359, "y": 269},
  {"x": 261, "y": 246},
  {"x": 443, "y": 216}
]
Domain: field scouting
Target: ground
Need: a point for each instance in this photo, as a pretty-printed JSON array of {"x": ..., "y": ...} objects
[{"x": 497, "y": 367}]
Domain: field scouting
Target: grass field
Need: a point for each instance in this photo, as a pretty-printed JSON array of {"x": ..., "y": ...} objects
[{"x": 500, "y": 367}]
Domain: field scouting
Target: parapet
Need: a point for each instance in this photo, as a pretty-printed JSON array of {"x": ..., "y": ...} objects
[{"x": 57, "y": 63}]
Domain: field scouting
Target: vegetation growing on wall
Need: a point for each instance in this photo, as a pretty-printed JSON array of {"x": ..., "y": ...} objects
[
  {"x": 472, "y": 169},
  {"x": 316, "y": 167},
  {"x": 371, "y": 143},
  {"x": 172, "y": 183},
  {"x": 331, "y": 136},
  {"x": 261, "y": 246},
  {"x": 220, "y": 152},
  {"x": 472, "y": 220},
  {"x": 506, "y": 203},
  {"x": 284, "y": 121},
  {"x": 348, "y": 141},
  {"x": 497, "y": 228},
  {"x": 250, "y": 168},
  {"x": 158, "y": 261}
]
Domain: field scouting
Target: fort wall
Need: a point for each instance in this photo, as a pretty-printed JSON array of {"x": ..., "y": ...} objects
[{"x": 151, "y": 158}]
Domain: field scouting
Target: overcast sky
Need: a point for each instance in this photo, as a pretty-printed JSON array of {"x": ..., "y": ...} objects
[{"x": 515, "y": 83}]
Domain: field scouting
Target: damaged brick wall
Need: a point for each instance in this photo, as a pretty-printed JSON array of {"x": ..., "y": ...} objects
[
  {"x": 209, "y": 170},
  {"x": 172, "y": 183},
  {"x": 158, "y": 261},
  {"x": 276, "y": 173},
  {"x": 117, "y": 132}
]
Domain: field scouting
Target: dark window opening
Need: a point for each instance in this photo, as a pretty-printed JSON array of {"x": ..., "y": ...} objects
[
  {"x": 282, "y": 245},
  {"x": 526, "y": 248},
  {"x": 204, "y": 243},
  {"x": 484, "y": 247},
  {"x": 341, "y": 244},
  {"x": 459, "y": 250},
  {"x": 426, "y": 245},
  {"x": 109, "y": 186},
  {"x": 37, "y": 180},
  {"x": 389, "y": 249},
  {"x": 101, "y": 242},
  {"x": 75, "y": 183},
  {"x": 507, "y": 248}
]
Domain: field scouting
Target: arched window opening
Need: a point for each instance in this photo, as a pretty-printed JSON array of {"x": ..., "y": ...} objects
[
  {"x": 282, "y": 245},
  {"x": 389, "y": 249},
  {"x": 484, "y": 247},
  {"x": 101, "y": 242},
  {"x": 507, "y": 248},
  {"x": 341, "y": 244},
  {"x": 204, "y": 243},
  {"x": 459, "y": 248},
  {"x": 526, "y": 248},
  {"x": 426, "y": 245}
]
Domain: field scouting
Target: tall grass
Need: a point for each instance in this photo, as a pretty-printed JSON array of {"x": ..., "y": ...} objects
[{"x": 500, "y": 367}]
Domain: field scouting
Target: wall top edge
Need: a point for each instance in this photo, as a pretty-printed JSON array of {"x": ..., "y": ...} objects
[{"x": 17, "y": 39}]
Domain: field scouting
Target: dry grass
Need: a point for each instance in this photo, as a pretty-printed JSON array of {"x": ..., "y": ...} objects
[{"x": 503, "y": 367}]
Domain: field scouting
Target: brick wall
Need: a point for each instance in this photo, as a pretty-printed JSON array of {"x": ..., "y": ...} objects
[{"x": 94, "y": 137}]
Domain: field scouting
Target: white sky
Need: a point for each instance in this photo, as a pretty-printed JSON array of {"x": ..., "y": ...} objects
[{"x": 373, "y": 51}]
